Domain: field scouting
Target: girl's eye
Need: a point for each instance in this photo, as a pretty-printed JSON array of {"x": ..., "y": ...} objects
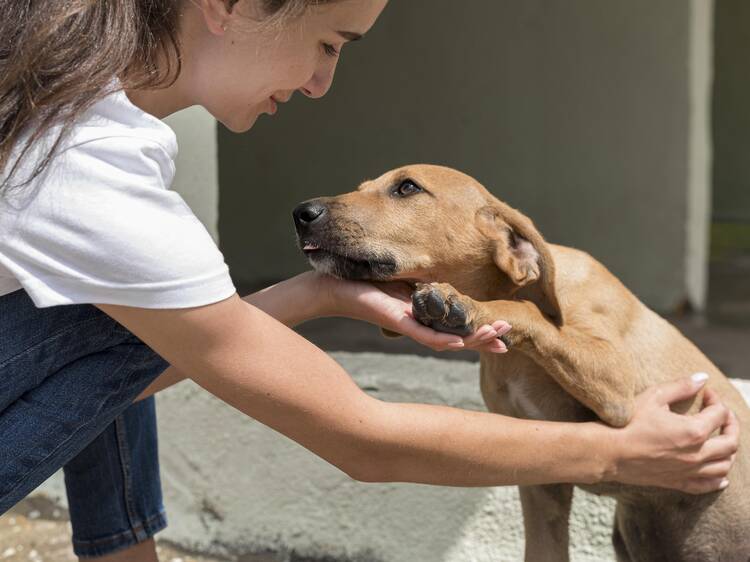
[
  {"x": 330, "y": 50},
  {"x": 406, "y": 188}
]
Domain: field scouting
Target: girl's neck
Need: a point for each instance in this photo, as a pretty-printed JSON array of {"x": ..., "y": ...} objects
[{"x": 160, "y": 102}]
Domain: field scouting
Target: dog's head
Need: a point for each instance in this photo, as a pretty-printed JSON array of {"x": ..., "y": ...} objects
[{"x": 429, "y": 223}]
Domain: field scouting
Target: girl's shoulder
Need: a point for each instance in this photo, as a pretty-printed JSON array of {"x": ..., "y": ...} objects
[
  {"x": 112, "y": 138},
  {"x": 115, "y": 116},
  {"x": 100, "y": 224}
]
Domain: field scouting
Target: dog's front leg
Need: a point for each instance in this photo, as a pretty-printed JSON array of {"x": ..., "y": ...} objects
[
  {"x": 546, "y": 510},
  {"x": 589, "y": 366}
]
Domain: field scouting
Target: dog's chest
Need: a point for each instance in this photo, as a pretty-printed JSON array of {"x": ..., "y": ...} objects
[
  {"x": 524, "y": 400},
  {"x": 512, "y": 384}
]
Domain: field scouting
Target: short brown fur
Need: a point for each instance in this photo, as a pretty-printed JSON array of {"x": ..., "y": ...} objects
[{"x": 582, "y": 346}]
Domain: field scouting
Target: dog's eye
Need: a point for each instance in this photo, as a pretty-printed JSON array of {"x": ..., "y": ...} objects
[{"x": 406, "y": 188}]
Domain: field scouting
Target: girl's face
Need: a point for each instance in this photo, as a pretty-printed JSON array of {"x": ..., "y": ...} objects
[{"x": 239, "y": 67}]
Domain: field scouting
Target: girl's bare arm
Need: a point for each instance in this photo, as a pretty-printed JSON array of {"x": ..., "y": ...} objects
[{"x": 261, "y": 367}]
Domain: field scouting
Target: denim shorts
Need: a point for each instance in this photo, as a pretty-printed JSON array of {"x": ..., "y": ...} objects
[{"x": 68, "y": 378}]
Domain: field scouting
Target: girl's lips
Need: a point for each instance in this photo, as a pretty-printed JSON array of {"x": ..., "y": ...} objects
[{"x": 274, "y": 106}]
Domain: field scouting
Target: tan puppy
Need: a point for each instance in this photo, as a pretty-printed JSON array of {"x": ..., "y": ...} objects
[{"x": 581, "y": 346}]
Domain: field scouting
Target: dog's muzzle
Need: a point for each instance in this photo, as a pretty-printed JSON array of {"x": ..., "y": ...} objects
[
  {"x": 308, "y": 215},
  {"x": 329, "y": 251}
]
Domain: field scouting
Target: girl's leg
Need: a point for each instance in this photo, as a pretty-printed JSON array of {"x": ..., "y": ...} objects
[
  {"x": 141, "y": 552},
  {"x": 51, "y": 423},
  {"x": 113, "y": 486},
  {"x": 68, "y": 375}
]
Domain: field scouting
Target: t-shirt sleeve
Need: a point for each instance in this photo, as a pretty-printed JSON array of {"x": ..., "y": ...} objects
[{"x": 102, "y": 226}]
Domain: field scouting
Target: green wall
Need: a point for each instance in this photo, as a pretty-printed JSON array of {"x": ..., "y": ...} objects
[{"x": 731, "y": 114}]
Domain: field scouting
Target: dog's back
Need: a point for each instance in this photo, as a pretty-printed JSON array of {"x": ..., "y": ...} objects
[
  {"x": 575, "y": 327},
  {"x": 651, "y": 523}
]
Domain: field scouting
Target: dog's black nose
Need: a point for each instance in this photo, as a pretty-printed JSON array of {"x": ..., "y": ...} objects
[{"x": 308, "y": 213}]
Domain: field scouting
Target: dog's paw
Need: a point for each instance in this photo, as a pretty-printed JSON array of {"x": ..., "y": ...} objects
[{"x": 440, "y": 307}]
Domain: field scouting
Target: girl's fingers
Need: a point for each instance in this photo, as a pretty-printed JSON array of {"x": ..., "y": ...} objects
[
  {"x": 710, "y": 397},
  {"x": 484, "y": 339},
  {"x": 496, "y": 346},
  {"x": 482, "y": 334},
  {"x": 731, "y": 426},
  {"x": 719, "y": 448},
  {"x": 488, "y": 333},
  {"x": 709, "y": 419},
  {"x": 427, "y": 336},
  {"x": 718, "y": 469},
  {"x": 705, "y": 485},
  {"x": 441, "y": 341},
  {"x": 502, "y": 327},
  {"x": 666, "y": 393}
]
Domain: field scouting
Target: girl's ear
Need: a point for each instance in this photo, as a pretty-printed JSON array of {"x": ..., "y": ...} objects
[
  {"x": 522, "y": 254},
  {"x": 216, "y": 14}
]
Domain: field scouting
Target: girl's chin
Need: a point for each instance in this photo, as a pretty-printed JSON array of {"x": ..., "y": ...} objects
[{"x": 239, "y": 125}]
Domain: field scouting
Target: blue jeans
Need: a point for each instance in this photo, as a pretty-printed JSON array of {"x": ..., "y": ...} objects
[{"x": 68, "y": 377}]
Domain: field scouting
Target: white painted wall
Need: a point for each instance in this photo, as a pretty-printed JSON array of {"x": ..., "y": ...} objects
[
  {"x": 700, "y": 76},
  {"x": 197, "y": 177}
]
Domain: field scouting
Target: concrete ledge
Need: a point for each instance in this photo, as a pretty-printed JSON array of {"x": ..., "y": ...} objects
[{"x": 233, "y": 486}]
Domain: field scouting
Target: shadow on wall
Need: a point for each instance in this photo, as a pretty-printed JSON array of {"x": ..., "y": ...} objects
[
  {"x": 575, "y": 112},
  {"x": 729, "y": 287},
  {"x": 731, "y": 126}
]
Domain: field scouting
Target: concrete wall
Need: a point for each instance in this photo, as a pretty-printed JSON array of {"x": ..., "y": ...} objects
[
  {"x": 232, "y": 486},
  {"x": 731, "y": 112},
  {"x": 590, "y": 116},
  {"x": 197, "y": 177}
]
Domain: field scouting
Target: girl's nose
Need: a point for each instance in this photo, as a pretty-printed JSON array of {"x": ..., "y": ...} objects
[{"x": 320, "y": 82}]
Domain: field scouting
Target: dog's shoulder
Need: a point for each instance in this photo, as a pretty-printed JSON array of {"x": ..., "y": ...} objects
[{"x": 590, "y": 294}]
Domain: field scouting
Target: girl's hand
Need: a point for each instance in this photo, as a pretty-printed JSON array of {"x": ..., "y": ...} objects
[
  {"x": 388, "y": 305},
  {"x": 661, "y": 448}
]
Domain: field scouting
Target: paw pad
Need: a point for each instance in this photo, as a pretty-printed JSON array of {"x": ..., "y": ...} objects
[{"x": 441, "y": 309}]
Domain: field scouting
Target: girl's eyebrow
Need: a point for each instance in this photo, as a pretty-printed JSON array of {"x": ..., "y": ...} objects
[{"x": 350, "y": 35}]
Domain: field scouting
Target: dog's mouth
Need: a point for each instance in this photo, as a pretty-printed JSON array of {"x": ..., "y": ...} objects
[{"x": 347, "y": 263}]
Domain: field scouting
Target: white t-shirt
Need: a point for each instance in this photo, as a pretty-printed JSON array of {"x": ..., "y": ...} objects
[{"x": 101, "y": 224}]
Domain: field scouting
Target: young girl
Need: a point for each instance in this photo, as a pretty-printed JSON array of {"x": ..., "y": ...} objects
[{"x": 87, "y": 220}]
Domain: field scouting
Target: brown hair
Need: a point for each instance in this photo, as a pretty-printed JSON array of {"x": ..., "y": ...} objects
[{"x": 59, "y": 58}]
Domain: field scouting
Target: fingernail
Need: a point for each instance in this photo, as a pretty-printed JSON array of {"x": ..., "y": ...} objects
[
  {"x": 456, "y": 344},
  {"x": 498, "y": 346},
  {"x": 724, "y": 484},
  {"x": 699, "y": 378}
]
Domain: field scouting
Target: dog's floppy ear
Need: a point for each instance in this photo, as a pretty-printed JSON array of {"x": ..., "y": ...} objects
[{"x": 522, "y": 254}]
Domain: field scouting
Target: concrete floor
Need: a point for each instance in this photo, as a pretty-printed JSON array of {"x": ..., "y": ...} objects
[{"x": 36, "y": 530}]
